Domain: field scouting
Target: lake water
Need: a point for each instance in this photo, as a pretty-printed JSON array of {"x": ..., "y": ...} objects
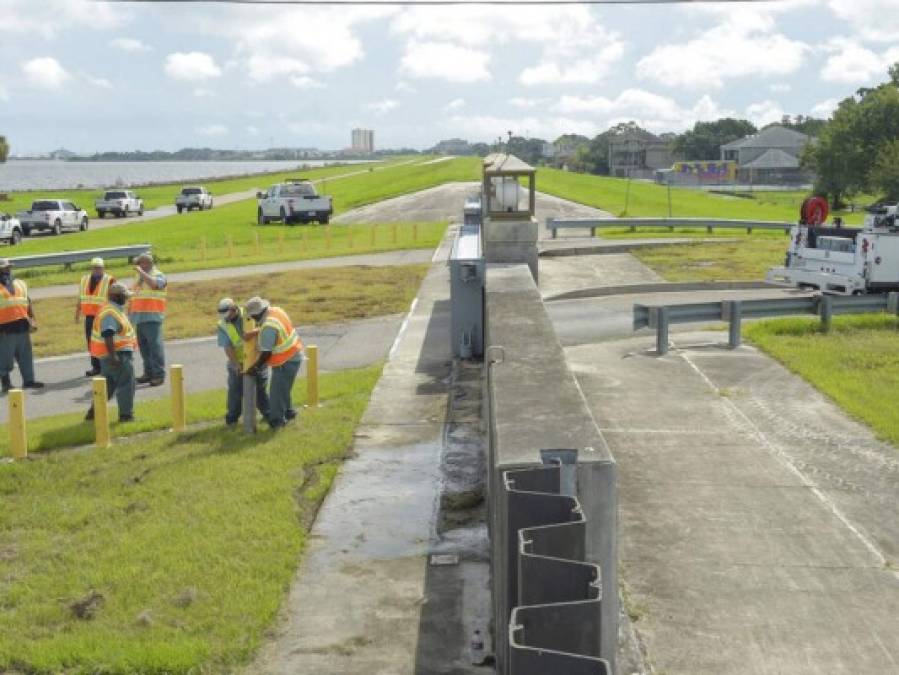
[{"x": 43, "y": 174}]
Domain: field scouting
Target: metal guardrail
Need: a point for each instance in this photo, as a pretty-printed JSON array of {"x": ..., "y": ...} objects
[
  {"x": 68, "y": 258},
  {"x": 661, "y": 317},
  {"x": 555, "y": 224},
  {"x": 554, "y": 626}
]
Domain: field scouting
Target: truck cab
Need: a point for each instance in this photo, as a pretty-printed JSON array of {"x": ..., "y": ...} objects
[
  {"x": 119, "y": 203},
  {"x": 193, "y": 197},
  {"x": 294, "y": 201}
]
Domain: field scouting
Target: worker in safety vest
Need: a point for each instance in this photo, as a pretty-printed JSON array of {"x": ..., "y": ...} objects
[
  {"x": 279, "y": 348},
  {"x": 147, "y": 312},
  {"x": 16, "y": 324},
  {"x": 232, "y": 324},
  {"x": 113, "y": 341},
  {"x": 91, "y": 297}
]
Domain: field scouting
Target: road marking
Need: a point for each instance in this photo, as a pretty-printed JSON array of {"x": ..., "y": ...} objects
[
  {"x": 402, "y": 330},
  {"x": 786, "y": 461}
]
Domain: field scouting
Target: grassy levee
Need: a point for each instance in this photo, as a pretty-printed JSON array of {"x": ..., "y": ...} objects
[
  {"x": 747, "y": 259},
  {"x": 311, "y": 297},
  {"x": 643, "y": 199},
  {"x": 856, "y": 364},
  {"x": 164, "y": 194},
  {"x": 175, "y": 550}
]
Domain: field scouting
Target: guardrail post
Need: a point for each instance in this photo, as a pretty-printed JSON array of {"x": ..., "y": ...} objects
[
  {"x": 179, "y": 412},
  {"x": 825, "y": 309},
  {"x": 18, "y": 438},
  {"x": 733, "y": 312},
  {"x": 101, "y": 413},
  {"x": 312, "y": 376},
  {"x": 549, "y": 226},
  {"x": 592, "y": 231},
  {"x": 661, "y": 316},
  {"x": 708, "y": 229}
]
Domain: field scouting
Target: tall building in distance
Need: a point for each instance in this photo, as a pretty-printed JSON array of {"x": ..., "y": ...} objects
[{"x": 363, "y": 140}]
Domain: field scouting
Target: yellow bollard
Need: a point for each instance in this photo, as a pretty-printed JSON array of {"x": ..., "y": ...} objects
[
  {"x": 312, "y": 376},
  {"x": 414, "y": 232},
  {"x": 101, "y": 412},
  {"x": 393, "y": 233},
  {"x": 373, "y": 228},
  {"x": 179, "y": 413},
  {"x": 18, "y": 439}
]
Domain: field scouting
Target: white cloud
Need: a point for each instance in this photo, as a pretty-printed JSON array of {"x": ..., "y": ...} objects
[
  {"x": 780, "y": 87},
  {"x": 455, "y": 104},
  {"x": 445, "y": 61},
  {"x": 47, "y": 19},
  {"x": 126, "y": 44},
  {"x": 213, "y": 130},
  {"x": 45, "y": 72},
  {"x": 851, "y": 63},
  {"x": 191, "y": 66},
  {"x": 764, "y": 112},
  {"x": 521, "y": 102},
  {"x": 488, "y": 128},
  {"x": 100, "y": 82},
  {"x": 743, "y": 44},
  {"x": 405, "y": 87},
  {"x": 305, "y": 82},
  {"x": 825, "y": 108},
  {"x": 651, "y": 111},
  {"x": 876, "y": 20},
  {"x": 582, "y": 71},
  {"x": 381, "y": 107}
]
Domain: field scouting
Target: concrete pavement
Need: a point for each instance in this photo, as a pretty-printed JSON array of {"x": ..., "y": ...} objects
[
  {"x": 345, "y": 345},
  {"x": 758, "y": 529}
]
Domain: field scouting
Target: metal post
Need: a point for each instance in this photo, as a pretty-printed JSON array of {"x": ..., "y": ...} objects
[
  {"x": 825, "y": 309},
  {"x": 101, "y": 413},
  {"x": 179, "y": 411},
  {"x": 661, "y": 330},
  {"x": 734, "y": 313},
  {"x": 250, "y": 355},
  {"x": 312, "y": 376},
  {"x": 18, "y": 439}
]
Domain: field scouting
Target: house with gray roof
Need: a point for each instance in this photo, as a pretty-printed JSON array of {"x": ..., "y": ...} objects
[
  {"x": 637, "y": 154},
  {"x": 772, "y": 156}
]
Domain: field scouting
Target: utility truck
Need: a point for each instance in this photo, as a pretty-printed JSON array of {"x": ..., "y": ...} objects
[
  {"x": 10, "y": 229},
  {"x": 194, "y": 197},
  {"x": 294, "y": 201},
  {"x": 842, "y": 260},
  {"x": 120, "y": 203},
  {"x": 53, "y": 215}
]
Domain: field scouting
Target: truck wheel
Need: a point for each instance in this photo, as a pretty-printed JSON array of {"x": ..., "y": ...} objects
[
  {"x": 260, "y": 219},
  {"x": 57, "y": 227},
  {"x": 15, "y": 238},
  {"x": 26, "y": 231},
  {"x": 83, "y": 227},
  {"x": 323, "y": 220}
]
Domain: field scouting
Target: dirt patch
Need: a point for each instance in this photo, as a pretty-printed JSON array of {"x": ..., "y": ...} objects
[{"x": 86, "y": 608}]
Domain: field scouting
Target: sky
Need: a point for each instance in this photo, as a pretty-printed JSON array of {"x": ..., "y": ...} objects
[{"x": 94, "y": 76}]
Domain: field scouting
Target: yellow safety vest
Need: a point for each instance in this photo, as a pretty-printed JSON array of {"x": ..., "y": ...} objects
[
  {"x": 14, "y": 306},
  {"x": 125, "y": 337},
  {"x": 288, "y": 342},
  {"x": 92, "y": 302},
  {"x": 147, "y": 299},
  {"x": 235, "y": 337}
]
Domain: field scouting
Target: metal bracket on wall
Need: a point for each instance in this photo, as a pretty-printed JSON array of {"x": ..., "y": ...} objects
[{"x": 554, "y": 594}]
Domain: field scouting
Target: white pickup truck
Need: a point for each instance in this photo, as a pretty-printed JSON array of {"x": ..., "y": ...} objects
[
  {"x": 120, "y": 203},
  {"x": 10, "y": 229},
  {"x": 193, "y": 198},
  {"x": 53, "y": 215},
  {"x": 295, "y": 201}
]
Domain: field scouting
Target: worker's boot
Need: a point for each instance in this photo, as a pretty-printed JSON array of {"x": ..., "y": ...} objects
[{"x": 7, "y": 385}]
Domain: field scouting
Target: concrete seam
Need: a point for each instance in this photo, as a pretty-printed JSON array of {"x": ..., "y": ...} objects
[{"x": 782, "y": 456}]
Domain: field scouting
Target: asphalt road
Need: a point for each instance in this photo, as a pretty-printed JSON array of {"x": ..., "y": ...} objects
[{"x": 345, "y": 345}]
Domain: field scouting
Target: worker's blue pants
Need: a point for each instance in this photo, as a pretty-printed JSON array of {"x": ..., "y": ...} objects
[
  {"x": 281, "y": 409},
  {"x": 16, "y": 348},
  {"x": 152, "y": 351},
  {"x": 235, "y": 394},
  {"x": 120, "y": 381}
]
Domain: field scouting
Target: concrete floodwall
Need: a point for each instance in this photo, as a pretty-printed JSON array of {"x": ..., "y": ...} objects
[{"x": 534, "y": 402}]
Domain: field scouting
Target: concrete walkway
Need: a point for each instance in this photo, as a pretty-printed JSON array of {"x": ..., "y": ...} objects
[
  {"x": 357, "y": 601},
  {"x": 410, "y": 257},
  {"x": 758, "y": 528}
]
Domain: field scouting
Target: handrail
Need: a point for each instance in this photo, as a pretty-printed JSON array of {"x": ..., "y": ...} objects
[{"x": 593, "y": 224}]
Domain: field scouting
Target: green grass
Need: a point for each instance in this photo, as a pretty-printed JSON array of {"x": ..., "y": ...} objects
[
  {"x": 651, "y": 200},
  {"x": 310, "y": 297},
  {"x": 164, "y": 194},
  {"x": 745, "y": 260},
  {"x": 856, "y": 364},
  {"x": 191, "y": 539}
]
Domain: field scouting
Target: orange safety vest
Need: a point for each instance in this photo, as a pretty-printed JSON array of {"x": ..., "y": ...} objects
[
  {"x": 14, "y": 306},
  {"x": 288, "y": 342},
  {"x": 124, "y": 337},
  {"x": 92, "y": 302},
  {"x": 147, "y": 299}
]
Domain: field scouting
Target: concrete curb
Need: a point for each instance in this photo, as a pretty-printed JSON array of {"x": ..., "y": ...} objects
[
  {"x": 664, "y": 287},
  {"x": 621, "y": 246}
]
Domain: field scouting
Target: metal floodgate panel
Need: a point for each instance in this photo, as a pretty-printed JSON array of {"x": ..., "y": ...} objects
[{"x": 554, "y": 594}]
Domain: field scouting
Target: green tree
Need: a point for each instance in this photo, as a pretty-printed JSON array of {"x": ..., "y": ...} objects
[
  {"x": 4, "y": 149},
  {"x": 705, "y": 139},
  {"x": 885, "y": 172}
]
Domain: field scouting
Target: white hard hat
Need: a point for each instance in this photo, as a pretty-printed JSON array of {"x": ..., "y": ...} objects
[
  {"x": 257, "y": 305},
  {"x": 97, "y": 262},
  {"x": 226, "y": 304}
]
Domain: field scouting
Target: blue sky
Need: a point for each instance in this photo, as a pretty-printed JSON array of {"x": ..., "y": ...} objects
[{"x": 94, "y": 76}]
